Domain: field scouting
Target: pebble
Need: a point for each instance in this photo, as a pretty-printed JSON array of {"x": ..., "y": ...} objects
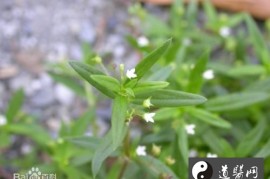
[
  {"x": 63, "y": 95},
  {"x": 43, "y": 98}
]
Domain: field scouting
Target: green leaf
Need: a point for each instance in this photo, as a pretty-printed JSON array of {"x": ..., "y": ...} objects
[
  {"x": 208, "y": 117},
  {"x": 192, "y": 11},
  {"x": 80, "y": 125},
  {"x": 15, "y": 105},
  {"x": 235, "y": 101},
  {"x": 81, "y": 158},
  {"x": 33, "y": 131},
  {"x": 251, "y": 140},
  {"x": 210, "y": 12},
  {"x": 196, "y": 76},
  {"x": 166, "y": 114},
  {"x": 255, "y": 33},
  {"x": 156, "y": 167},
  {"x": 170, "y": 98},
  {"x": 246, "y": 70},
  {"x": 145, "y": 65},
  {"x": 104, "y": 150},
  {"x": 68, "y": 81},
  {"x": 162, "y": 74},
  {"x": 183, "y": 142},
  {"x": 259, "y": 85},
  {"x": 261, "y": 48},
  {"x": 73, "y": 172},
  {"x": 107, "y": 82},
  {"x": 119, "y": 112},
  {"x": 84, "y": 141},
  {"x": 219, "y": 145},
  {"x": 165, "y": 135},
  {"x": 85, "y": 71},
  {"x": 5, "y": 139},
  {"x": 161, "y": 28},
  {"x": 149, "y": 86},
  {"x": 265, "y": 150}
]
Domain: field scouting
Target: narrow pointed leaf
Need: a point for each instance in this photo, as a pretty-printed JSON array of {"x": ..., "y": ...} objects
[
  {"x": 68, "y": 81},
  {"x": 265, "y": 150},
  {"x": 162, "y": 74},
  {"x": 149, "y": 86},
  {"x": 218, "y": 144},
  {"x": 104, "y": 150},
  {"x": 183, "y": 143},
  {"x": 259, "y": 43},
  {"x": 119, "y": 111},
  {"x": 107, "y": 82},
  {"x": 15, "y": 105},
  {"x": 84, "y": 141},
  {"x": 85, "y": 71},
  {"x": 247, "y": 70},
  {"x": 196, "y": 76},
  {"x": 260, "y": 85},
  {"x": 208, "y": 117},
  {"x": 37, "y": 133},
  {"x": 166, "y": 114},
  {"x": 156, "y": 167},
  {"x": 145, "y": 65},
  {"x": 235, "y": 101},
  {"x": 170, "y": 98},
  {"x": 80, "y": 125},
  {"x": 247, "y": 144}
]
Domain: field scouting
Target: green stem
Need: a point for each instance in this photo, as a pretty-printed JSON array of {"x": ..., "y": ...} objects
[{"x": 127, "y": 154}]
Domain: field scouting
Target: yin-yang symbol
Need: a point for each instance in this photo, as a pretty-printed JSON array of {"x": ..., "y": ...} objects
[{"x": 202, "y": 170}]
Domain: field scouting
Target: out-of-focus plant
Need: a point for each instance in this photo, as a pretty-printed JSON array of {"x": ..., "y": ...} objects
[
  {"x": 51, "y": 155},
  {"x": 234, "y": 77}
]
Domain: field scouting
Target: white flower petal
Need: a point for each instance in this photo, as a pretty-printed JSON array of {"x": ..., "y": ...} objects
[
  {"x": 143, "y": 41},
  {"x": 210, "y": 155},
  {"x": 131, "y": 73},
  {"x": 148, "y": 117},
  {"x": 190, "y": 128},
  {"x": 208, "y": 74},
  {"x": 140, "y": 150},
  {"x": 3, "y": 120},
  {"x": 224, "y": 31}
]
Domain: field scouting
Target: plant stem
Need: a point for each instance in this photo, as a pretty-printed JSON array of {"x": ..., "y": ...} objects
[
  {"x": 127, "y": 154},
  {"x": 123, "y": 169}
]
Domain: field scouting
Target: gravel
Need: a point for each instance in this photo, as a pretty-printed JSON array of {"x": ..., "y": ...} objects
[{"x": 39, "y": 32}]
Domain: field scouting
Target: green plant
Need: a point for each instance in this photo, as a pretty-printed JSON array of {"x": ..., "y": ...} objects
[{"x": 129, "y": 95}]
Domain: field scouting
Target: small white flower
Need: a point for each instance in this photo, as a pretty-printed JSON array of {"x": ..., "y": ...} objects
[
  {"x": 140, "y": 150},
  {"x": 148, "y": 117},
  {"x": 187, "y": 42},
  {"x": 131, "y": 73},
  {"x": 210, "y": 155},
  {"x": 190, "y": 128},
  {"x": 147, "y": 103},
  {"x": 3, "y": 120},
  {"x": 224, "y": 31},
  {"x": 143, "y": 41},
  {"x": 208, "y": 74}
]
